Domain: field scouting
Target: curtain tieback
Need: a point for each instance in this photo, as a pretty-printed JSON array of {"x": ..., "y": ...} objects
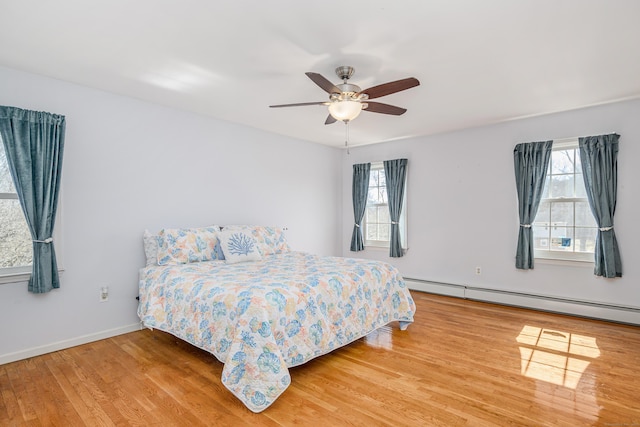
[
  {"x": 47, "y": 240},
  {"x": 394, "y": 223},
  {"x": 525, "y": 225},
  {"x": 357, "y": 225},
  {"x": 606, "y": 228}
]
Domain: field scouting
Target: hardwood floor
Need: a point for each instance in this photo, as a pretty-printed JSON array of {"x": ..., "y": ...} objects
[{"x": 461, "y": 363}]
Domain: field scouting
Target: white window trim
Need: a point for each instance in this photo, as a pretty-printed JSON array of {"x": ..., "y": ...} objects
[
  {"x": 13, "y": 274},
  {"x": 561, "y": 257},
  {"x": 384, "y": 244},
  {"x": 586, "y": 257},
  {"x": 22, "y": 274}
]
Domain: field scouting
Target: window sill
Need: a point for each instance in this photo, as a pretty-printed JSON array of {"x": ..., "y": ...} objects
[
  {"x": 382, "y": 248},
  {"x": 562, "y": 256},
  {"x": 376, "y": 246},
  {"x": 565, "y": 262},
  {"x": 14, "y": 278},
  {"x": 19, "y": 277}
]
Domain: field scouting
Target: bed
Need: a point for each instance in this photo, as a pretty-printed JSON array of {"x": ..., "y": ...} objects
[{"x": 263, "y": 315}]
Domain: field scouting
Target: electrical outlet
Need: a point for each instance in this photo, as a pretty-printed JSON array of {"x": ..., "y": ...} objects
[
  {"x": 104, "y": 294},
  {"x": 478, "y": 271}
]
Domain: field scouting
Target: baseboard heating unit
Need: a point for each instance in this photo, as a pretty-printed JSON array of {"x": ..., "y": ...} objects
[{"x": 590, "y": 309}]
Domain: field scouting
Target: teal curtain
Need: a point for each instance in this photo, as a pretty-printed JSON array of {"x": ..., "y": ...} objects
[
  {"x": 531, "y": 161},
  {"x": 359, "y": 192},
  {"x": 599, "y": 157},
  {"x": 395, "y": 172},
  {"x": 33, "y": 142}
]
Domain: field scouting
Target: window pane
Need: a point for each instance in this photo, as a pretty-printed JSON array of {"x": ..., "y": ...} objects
[
  {"x": 543, "y": 217},
  {"x": 383, "y": 214},
  {"x": 372, "y": 232},
  {"x": 562, "y": 185},
  {"x": 383, "y": 195},
  {"x": 377, "y": 219},
  {"x": 562, "y": 161},
  {"x": 372, "y": 214},
  {"x": 6, "y": 182},
  {"x": 562, "y": 239},
  {"x": 372, "y": 197},
  {"x": 382, "y": 181},
  {"x": 556, "y": 220},
  {"x": 585, "y": 239},
  {"x": 578, "y": 161},
  {"x": 541, "y": 237},
  {"x": 545, "y": 191},
  {"x": 580, "y": 189},
  {"x": 584, "y": 217},
  {"x": 373, "y": 178},
  {"x": 559, "y": 231},
  {"x": 15, "y": 239},
  {"x": 562, "y": 214},
  {"x": 383, "y": 232}
]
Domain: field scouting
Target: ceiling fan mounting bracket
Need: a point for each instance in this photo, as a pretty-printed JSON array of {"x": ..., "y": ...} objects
[{"x": 345, "y": 72}]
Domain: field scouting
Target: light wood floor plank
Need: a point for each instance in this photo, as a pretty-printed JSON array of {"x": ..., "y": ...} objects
[{"x": 461, "y": 363}]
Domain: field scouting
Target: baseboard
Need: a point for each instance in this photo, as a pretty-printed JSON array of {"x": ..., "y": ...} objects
[
  {"x": 61, "y": 345},
  {"x": 447, "y": 289},
  {"x": 590, "y": 309}
]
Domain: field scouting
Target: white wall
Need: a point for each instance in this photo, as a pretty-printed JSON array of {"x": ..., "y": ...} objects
[
  {"x": 130, "y": 165},
  {"x": 462, "y": 206}
]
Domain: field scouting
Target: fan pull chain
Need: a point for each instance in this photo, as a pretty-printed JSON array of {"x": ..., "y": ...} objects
[{"x": 346, "y": 140}]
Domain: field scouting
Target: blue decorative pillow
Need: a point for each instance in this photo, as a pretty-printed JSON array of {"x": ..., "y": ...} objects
[{"x": 238, "y": 246}]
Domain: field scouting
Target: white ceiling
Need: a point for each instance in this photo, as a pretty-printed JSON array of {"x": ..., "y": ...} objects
[{"x": 479, "y": 62}]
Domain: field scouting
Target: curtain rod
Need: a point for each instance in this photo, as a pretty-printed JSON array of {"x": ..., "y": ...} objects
[
  {"x": 578, "y": 137},
  {"x": 380, "y": 161}
]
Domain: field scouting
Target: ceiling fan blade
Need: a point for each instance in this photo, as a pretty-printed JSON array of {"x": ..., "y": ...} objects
[
  {"x": 330, "y": 119},
  {"x": 391, "y": 87},
  {"x": 325, "y": 84},
  {"x": 379, "y": 107},
  {"x": 300, "y": 104}
]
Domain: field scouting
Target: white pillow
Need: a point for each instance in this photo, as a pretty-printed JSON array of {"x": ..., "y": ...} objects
[
  {"x": 238, "y": 246},
  {"x": 150, "y": 242}
]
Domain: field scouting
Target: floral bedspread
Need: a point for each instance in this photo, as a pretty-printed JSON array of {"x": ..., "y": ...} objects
[{"x": 260, "y": 318}]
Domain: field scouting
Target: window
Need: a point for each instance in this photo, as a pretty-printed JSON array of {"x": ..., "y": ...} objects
[
  {"x": 15, "y": 239},
  {"x": 564, "y": 227},
  {"x": 377, "y": 222}
]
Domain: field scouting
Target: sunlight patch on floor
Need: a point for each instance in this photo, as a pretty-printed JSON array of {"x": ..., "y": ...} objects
[
  {"x": 380, "y": 338},
  {"x": 554, "y": 356}
]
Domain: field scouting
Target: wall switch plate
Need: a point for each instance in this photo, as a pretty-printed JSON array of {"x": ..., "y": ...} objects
[{"x": 104, "y": 294}]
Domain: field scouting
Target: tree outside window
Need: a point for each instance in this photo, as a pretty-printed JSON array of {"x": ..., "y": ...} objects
[{"x": 15, "y": 239}]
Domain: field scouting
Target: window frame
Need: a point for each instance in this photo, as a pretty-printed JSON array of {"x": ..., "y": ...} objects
[
  {"x": 19, "y": 273},
  {"x": 563, "y": 256},
  {"x": 379, "y": 166}
]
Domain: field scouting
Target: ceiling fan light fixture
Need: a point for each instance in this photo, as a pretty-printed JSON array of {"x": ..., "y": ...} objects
[
  {"x": 346, "y": 100},
  {"x": 345, "y": 110}
]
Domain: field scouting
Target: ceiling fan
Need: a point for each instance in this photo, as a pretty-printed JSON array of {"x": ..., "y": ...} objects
[{"x": 347, "y": 100}]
